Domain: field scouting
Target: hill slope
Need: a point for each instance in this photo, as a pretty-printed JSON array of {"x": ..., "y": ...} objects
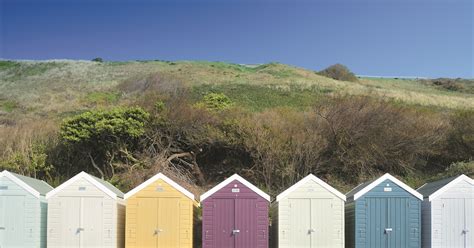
[{"x": 283, "y": 123}]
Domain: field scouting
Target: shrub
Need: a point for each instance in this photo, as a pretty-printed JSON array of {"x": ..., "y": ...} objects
[
  {"x": 339, "y": 72},
  {"x": 98, "y": 59},
  {"x": 216, "y": 101},
  {"x": 102, "y": 135}
]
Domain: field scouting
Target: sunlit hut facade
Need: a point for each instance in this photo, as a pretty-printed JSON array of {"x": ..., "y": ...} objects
[
  {"x": 85, "y": 211},
  {"x": 308, "y": 214},
  {"x": 383, "y": 213},
  {"x": 160, "y": 214},
  {"x": 448, "y": 213},
  {"x": 23, "y": 211}
]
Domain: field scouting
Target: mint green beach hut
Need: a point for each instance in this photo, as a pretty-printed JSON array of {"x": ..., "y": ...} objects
[{"x": 23, "y": 211}]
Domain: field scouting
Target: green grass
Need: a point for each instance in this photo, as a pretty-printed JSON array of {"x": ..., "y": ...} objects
[
  {"x": 8, "y": 105},
  {"x": 7, "y": 64},
  {"x": 102, "y": 98},
  {"x": 258, "y": 98}
]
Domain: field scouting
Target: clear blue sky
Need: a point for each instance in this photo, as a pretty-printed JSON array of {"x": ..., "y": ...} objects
[{"x": 431, "y": 38}]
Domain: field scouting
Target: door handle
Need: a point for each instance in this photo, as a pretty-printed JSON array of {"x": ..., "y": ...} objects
[
  {"x": 2, "y": 228},
  {"x": 388, "y": 230},
  {"x": 465, "y": 231},
  {"x": 311, "y": 231},
  {"x": 79, "y": 229},
  {"x": 157, "y": 231},
  {"x": 234, "y": 232}
]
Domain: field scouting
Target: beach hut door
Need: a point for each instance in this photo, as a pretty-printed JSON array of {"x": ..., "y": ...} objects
[
  {"x": 454, "y": 221},
  {"x": 12, "y": 221},
  {"x": 2, "y": 221},
  {"x": 245, "y": 229},
  {"x": 168, "y": 222},
  {"x": 224, "y": 212},
  {"x": 469, "y": 220},
  {"x": 300, "y": 230},
  {"x": 91, "y": 221},
  {"x": 388, "y": 222}
]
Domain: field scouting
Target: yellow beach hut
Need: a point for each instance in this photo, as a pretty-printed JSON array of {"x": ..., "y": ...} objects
[{"x": 159, "y": 214}]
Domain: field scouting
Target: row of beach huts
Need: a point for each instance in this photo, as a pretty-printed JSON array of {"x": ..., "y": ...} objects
[{"x": 88, "y": 212}]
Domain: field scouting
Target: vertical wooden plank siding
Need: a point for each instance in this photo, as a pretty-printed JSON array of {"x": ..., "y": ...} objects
[
  {"x": 310, "y": 207},
  {"x": 159, "y": 206},
  {"x": 22, "y": 217},
  {"x": 82, "y": 215},
  {"x": 448, "y": 213},
  {"x": 379, "y": 209},
  {"x": 226, "y": 210}
]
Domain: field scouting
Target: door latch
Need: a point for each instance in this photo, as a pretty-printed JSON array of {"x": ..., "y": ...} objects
[
  {"x": 388, "y": 230},
  {"x": 234, "y": 232}
]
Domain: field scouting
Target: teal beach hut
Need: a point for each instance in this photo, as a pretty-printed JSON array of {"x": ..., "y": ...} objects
[
  {"x": 383, "y": 213},
  {"x": 23, "y": 211}
]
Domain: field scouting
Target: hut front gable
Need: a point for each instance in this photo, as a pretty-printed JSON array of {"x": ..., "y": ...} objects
[
  {"x": 235, "y": 189},
  {"x": 81, "y": 188},
  {"x": 385, "y": 185},
  {"x": 158, "y": 188}
]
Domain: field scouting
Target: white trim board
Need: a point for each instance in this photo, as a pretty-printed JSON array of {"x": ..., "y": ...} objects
[
  {"x": 229, "y": 180},
  {"x": 89, "y": 178},
  {"x": 391, "y": 178},
  {"x": 153, "y": 179},
  {"x": 20, "y": 183},
  {"x": 449, "y": 185},
  {"x": 303, "y": 181}
]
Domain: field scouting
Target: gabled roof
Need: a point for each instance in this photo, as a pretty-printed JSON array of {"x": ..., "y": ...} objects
[
  {"x": 164, "y": 178},
  {"x": 104, "y": 186},
  {"x": 436, "y": 188},
  {"x": 229, "y": 180},
  {"x": 34, "y": 186},
  {"x": 366, "y": 187},
  {"x": 303, "y": 181}
]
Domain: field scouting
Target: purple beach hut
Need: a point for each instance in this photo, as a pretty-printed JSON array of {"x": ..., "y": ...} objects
[{"x": 235, "y": 215}]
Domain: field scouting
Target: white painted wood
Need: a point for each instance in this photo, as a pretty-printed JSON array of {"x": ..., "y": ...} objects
[
  {"x": 469, "y": 218},
  {"x": 325, "y": 215},
  {"x": 391, "y": 178},
  {"x": 83, "y": 215},
  {"x": 446, "y": 216},
  {"x": 22, "y": 211}
]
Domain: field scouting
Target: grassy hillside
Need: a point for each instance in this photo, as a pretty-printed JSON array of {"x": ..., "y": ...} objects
[
  {"x": 283, "y": 122},
  {"x": 63, "y": 86}
]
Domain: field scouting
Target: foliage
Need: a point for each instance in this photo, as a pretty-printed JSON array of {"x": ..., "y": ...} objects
[
  {"x": 7, "y": 64},
  {"x": 461, "y": 137},
  {"x": 34, "y": 163},
  {"x": 339, "y": 72},
  {"x": 216, "y": 101},
  {"x": 98, "y": 59},
  {"x": 103, "y": 134}
]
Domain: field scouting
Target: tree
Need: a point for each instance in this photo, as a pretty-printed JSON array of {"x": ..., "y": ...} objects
[
  {"x": 101, "y": 135},
  {"x": 339, "y": 72},
  {"x": 98, "y": 59}
]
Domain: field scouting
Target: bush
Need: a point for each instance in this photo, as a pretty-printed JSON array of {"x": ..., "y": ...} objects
[
  {"x": 216, "y": 101},
  {"x": 103, "y": 135},
  {"x": 98, "y": 59},
  {"x": 339, "y": 72}
]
